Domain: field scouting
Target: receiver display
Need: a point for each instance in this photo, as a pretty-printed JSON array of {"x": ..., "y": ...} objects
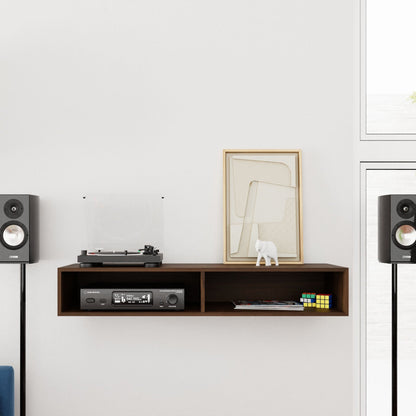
[{"x": 132, "y": 298}]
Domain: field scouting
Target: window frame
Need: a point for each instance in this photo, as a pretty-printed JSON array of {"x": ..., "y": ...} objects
[
  {"x": 364, "y": 167},
  {"x": 364, "y": 136}
]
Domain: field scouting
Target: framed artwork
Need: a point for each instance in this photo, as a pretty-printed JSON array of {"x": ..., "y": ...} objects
[{"x": 262, "y": 200}]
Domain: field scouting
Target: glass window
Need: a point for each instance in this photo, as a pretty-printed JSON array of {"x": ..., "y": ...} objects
[
  {"x": 390, "y": 68},
  {"x": 378, "y": 294}
]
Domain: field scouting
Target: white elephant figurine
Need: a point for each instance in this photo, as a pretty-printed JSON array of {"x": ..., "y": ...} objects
[{"x": 268, "y": 251}]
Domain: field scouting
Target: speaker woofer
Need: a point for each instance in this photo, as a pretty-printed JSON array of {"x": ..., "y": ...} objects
[
  {"x": 13, "y": 208},
  {"x": 404, "y": 235},
  {"x": 13, "y": 235}
]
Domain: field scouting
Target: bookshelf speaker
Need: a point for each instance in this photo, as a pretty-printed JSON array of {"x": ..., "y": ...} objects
[
  {"x": 397, "y": 228},
  {"x": 19, "y": 228}
]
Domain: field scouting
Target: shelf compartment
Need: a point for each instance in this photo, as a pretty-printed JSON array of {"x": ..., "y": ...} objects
[
  {"x": 70, "y": 282},
  {"x": 221, "y": 289}
]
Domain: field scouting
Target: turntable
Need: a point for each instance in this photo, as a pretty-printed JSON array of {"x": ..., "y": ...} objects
[{"x": 146, "y": 257}]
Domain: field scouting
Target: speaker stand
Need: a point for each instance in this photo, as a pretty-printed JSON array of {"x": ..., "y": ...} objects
[
  {"x": 394, "y": 340},
  {"x": 23, "y": 339}
]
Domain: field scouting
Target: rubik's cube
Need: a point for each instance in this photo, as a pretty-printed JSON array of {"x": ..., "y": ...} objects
[
  {"x": 324, "y": 301},
  {"x": 308, "y": 300}
]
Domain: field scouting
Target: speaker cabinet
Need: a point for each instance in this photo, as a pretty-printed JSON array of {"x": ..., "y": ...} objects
[
  {"x": 397, "y": 229},
  {"x": 19, "y": 228}
]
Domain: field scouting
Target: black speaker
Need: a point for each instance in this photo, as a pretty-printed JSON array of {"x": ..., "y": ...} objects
[
  {"x": 397, "y": 228},
  {"x": 19, "y": 228}
]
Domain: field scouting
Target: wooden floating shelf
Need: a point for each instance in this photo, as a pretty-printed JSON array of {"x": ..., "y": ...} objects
[{"x": 210, "y": 288}]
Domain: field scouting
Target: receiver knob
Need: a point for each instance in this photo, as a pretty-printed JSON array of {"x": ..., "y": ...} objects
[{"x": 172, "y": 299}]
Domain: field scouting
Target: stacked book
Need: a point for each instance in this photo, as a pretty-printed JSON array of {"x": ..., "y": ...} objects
[{"x": 268, "y": 305}]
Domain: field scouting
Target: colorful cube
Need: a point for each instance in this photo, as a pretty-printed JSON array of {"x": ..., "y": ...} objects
[
  {"x": 324, "y": 301},
  {"x": 308, "y": 300}
]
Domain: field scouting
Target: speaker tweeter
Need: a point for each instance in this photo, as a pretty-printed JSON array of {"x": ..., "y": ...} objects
[
  {"x": 13, "y": 208},
  {"x": 406, "y": 208}
]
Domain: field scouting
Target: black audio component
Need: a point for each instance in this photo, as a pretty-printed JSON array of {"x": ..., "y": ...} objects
[
  {"x": 19, "y": 228},
  {"x": 129, "y": 299},
  {"x": 397, "y": 228},
  {"x": 147, "y": 257}
]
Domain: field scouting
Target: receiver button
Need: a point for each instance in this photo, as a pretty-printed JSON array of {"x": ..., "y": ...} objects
[
  {"x": 90, "y": 300},
  {"x": 172, "y": 299}
]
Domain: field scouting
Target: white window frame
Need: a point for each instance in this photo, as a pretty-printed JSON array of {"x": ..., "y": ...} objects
[
  {"x": 365, "y": 166},
  {"x": 364, "y": 136}
]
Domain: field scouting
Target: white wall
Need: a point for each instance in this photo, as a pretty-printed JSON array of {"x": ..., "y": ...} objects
[{"x": 123, "y": 96}]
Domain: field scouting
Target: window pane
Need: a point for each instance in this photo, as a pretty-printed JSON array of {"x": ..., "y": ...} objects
[{"x": 391, "y": 67}]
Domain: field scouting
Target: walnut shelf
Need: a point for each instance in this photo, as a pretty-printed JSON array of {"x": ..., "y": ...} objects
[{"x": 210, "y": 288}]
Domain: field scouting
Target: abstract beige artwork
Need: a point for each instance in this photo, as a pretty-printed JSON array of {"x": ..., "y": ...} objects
[{"x": 262, "y": 196}]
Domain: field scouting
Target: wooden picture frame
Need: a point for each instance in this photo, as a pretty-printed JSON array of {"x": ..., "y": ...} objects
[{"x": 262, "y": 200}]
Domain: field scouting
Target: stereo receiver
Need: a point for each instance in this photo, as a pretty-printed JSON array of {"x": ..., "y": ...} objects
[{"x": 129, "y": 299}]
